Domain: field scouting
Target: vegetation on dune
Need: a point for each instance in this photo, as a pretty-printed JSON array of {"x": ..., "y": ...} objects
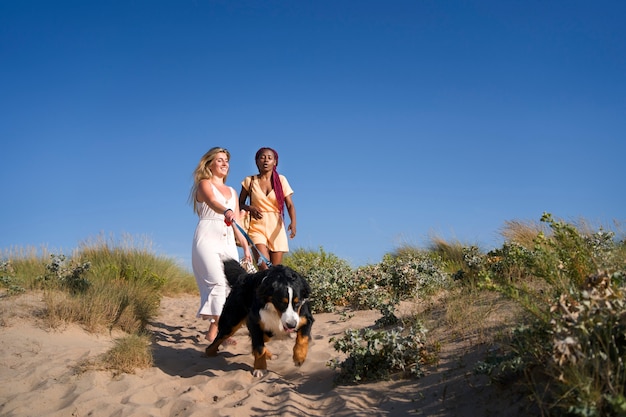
[
  {"x": 104, "y": 286},
  {"x": 563, "y": 286}
]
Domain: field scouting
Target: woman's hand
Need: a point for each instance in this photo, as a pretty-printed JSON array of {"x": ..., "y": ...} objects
[
  {"x": 246, "y": 253},
  {"x": 255, "y": 212},
  {"x": 229, "y": 216}
]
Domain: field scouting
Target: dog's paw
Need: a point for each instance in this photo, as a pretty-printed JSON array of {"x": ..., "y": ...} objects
[
  {"x": 258, "y": 373},
  {"x": 211, "y": 350}
]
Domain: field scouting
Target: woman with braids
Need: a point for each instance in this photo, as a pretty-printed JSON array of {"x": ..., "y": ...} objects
[{"x": 269, "y": 194}]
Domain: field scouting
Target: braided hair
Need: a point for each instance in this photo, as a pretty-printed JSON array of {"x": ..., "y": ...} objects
[{"x": 276, "y": 184}]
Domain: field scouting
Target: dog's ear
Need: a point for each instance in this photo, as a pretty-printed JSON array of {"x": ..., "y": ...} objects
[
  {"x": 266, "y": 285},
  {"x": 306, "y": 288}
]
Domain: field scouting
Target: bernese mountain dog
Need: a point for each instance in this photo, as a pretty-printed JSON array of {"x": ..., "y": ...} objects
[{"x": 273, "y": 302}]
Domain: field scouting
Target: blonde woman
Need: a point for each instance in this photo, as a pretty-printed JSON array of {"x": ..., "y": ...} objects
[{"x": 215, "y": 203}]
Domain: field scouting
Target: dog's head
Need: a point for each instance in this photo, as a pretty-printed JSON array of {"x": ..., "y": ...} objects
[{"x": 284, "y": 293}]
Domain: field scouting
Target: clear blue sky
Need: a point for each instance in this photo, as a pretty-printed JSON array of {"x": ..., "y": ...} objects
[{"x": 394, "y": 120}]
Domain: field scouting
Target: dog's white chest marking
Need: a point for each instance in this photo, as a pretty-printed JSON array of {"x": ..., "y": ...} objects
[{"x": 280, "y": 324}]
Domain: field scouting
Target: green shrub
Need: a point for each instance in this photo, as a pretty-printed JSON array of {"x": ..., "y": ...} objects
[
  {"x": 330, "y": 278},
  {"x": 413, "y": 272},
  {"x": 572, "y": 283},
  {"x": 8, "y": 280},
  {"x": 66, "y": 273},
  {"x": 374, "y": 355},
  {"x": 589, "y": 347}
]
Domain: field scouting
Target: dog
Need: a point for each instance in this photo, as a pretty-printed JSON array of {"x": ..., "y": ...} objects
[{"x": 273, "y": 302}]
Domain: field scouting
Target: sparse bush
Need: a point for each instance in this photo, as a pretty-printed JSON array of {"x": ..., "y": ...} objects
[
  {"x": 511, "y": 262},
  {"x": 374, "y": 355},
  {"x": 414, "y": 272},
  {"x": 8, "y": 280},
  {"x": 65, "y": 273},
  {"x": 330, "y": 278},
  {"x": 589, "y": 347},
  {"x": 573, "y": 284},
  {"x": 404, "y": 275}
]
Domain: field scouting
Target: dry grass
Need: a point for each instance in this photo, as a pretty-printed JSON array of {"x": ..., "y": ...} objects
[
  {"x": 452, "y": 252},
  {"x": 522, "y": 233},
  {"x": 129, "y": 353},
  {"x": 471, "y": 317}
]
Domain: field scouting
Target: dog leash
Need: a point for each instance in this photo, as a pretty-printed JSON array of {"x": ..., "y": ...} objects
[{"x": 267, "y": 262}]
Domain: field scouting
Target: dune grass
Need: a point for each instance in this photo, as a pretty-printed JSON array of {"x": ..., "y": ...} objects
[
  {"x": 551, "y": 298},
  {"x": 103, "y": 285}
]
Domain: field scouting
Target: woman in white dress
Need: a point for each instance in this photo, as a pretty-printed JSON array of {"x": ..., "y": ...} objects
[{"x": 214, "y": 240}]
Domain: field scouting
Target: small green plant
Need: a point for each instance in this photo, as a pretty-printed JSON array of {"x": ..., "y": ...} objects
[
  {"x": 376, "y": 355},
  {"x": 64, "y": 273},
  {"x": 526, "y": 349},
  {"x": 8, "y": 280}
]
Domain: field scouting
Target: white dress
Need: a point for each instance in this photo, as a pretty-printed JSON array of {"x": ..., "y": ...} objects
[{"x": 213, "y": 241}]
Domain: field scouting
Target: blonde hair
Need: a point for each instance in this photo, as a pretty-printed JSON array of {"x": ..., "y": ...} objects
[{"x": 203, "y": 172}]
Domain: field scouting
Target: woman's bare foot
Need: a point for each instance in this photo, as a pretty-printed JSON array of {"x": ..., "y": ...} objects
[
  {"x": 212, "y": 333},
  {"x": 229, "y": 342}
]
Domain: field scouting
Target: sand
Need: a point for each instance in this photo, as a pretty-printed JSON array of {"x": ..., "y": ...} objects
[{"x": 39, "y": 374}]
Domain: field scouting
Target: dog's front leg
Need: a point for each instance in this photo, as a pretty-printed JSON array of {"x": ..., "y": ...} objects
[
  {"x": 260, "y": 352},
  {"x": 260, "y": 361},
  {"x": 301, "y": 348}
]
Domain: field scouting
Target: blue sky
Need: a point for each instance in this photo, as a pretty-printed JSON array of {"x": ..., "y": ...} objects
[{"x": 394, "y": 121}]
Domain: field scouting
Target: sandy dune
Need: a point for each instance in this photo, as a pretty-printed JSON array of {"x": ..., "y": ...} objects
[{"x": 39, "y": 377}]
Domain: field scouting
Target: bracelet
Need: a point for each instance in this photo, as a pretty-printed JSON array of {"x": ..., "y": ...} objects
[{"x": 227, "y": 210}]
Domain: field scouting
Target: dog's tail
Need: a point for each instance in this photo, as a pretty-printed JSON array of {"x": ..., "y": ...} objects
[{"x": 233, "y": 271}]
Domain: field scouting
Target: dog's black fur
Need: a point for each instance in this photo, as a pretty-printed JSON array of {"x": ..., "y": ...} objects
[{"x": 263, "y": 301}]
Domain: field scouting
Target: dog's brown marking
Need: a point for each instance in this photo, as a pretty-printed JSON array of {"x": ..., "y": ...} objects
[
  {"x": 260, "y": 359},
  {"x": 300, "y": 349}
]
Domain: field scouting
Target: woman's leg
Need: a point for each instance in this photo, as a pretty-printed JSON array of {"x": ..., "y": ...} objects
[
  {"x": 212, "y": 332},
  {"x": 276, "y": 258},
  {"x": 263, "y": 250}
]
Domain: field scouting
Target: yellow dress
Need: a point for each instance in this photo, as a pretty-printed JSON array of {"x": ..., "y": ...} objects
[{"x": 269, "y": 230}]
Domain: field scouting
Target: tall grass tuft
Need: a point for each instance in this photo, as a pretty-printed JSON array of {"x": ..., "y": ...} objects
[
  {"x": 26, "y": 265},
  {"x": 133, "y": 260},
  {"x": 522, "y": 233},
  {"x": 129, "y": 354},
  {"x": 450, "y": 252}
]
